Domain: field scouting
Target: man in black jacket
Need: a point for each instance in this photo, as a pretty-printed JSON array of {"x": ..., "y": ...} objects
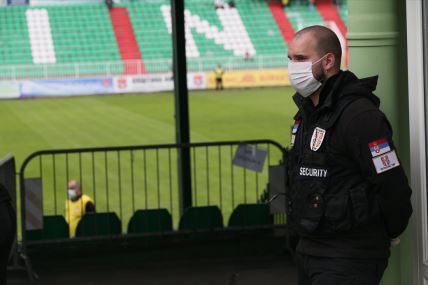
[
  {"x": 348, "y": 196},
  {"x": 7, "y": 231}
]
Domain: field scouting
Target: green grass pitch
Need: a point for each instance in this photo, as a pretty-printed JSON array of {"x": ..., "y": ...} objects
[{"x": 58, "y": 123}]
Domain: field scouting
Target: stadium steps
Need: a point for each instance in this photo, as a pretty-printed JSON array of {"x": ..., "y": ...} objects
[
  {"x": 151, "y": 34},
  {"x": 329, "y": 13},
  {"x": 282, "y": 21},
  {"x": 125, "y": 38}
]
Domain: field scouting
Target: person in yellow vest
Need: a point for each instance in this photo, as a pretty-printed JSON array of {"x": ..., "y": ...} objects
[
  {"x": 76, "y": 206},
  {"x": 219, "y": 71}
]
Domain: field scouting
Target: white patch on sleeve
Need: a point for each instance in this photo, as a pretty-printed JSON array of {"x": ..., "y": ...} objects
[
  {"x": 386, "y": 162},
  {"x": 293, "y": 139}
]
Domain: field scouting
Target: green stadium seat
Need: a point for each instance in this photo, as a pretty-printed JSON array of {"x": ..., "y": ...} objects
[
  {"x": 99, "y": 224},
  {"x": 250, "y": 215},
  {"x": 83, "y": 33},
  {"x": 150, "y": 221},
  {"x": 206, "y": 217},
  {"x": 54, "y": 227}
]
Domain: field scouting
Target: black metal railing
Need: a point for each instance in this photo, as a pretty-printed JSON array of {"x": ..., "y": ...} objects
[{"x": 125, "y": 179}]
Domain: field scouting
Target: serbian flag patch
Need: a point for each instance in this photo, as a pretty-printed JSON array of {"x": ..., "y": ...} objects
[
  {"x": 295, "y": 127},
  {"x": 379, "y": 147}
]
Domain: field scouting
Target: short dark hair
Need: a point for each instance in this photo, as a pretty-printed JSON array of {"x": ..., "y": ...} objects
[{"x": 326, "y": 41}]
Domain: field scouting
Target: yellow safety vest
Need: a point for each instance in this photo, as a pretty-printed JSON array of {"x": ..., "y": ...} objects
[
  {"x": 219, "y": 72},
  {"x": 74, "y": 211}
]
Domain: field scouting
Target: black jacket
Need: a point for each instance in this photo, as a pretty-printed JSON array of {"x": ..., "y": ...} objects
[{"x": 348, "y": 195}]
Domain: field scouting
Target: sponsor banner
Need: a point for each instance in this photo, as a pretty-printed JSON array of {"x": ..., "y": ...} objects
[
  {"x": 144, "y": 83},
  {"x": 9, "y": 89},
  {"x": 251, "y": 78},
  {"x": 156, "y": 82},
  {"x": 60, "y": 87},
  {"x": 196, "y": 81},
  {"x": 17, "y": 2},
  {"x": 61, "y": 2}
]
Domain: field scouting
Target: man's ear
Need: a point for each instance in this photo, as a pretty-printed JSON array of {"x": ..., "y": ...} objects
[{"x": 330, "y": 61}]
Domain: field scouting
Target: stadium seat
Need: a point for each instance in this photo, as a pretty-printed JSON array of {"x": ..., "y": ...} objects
[
  {"x": 150, "y": 221},
  {"x": 250, "y": 215},
  {"x": 206, "y": 217},
  {"x": 99, "y": 224},
  {"x": 54, "y": 227},
  {"x": 82, "y": 39}
]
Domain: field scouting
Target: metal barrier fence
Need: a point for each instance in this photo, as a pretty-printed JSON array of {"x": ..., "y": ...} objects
[
  {"x": 7, "y": 176},
  {"x": 110, "y": 68},
  {"x": 124, "y": 179},
  {"x": 17, "y": 261}
]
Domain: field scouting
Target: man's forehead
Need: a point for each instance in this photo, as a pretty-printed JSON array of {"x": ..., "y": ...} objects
[{"x": 304, "y": 43}]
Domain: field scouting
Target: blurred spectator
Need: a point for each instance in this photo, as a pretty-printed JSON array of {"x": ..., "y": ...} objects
[
  {"x": 109, "y": 3},
  {"x": 219, "y": 4},
  {"x": 76, "y": 206},
  {"x": 248, "y": 56},
  {"x": 337, "y": 3}
]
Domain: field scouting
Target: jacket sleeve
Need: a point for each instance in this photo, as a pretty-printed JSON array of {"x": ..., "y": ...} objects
[{"x": 368, "y": 137}]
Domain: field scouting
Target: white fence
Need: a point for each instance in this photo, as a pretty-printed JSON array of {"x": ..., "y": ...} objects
[{"x": 110, "y": 68}]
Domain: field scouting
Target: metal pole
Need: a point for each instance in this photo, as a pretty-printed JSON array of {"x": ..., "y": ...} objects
[{"x": 181, "y": 102}]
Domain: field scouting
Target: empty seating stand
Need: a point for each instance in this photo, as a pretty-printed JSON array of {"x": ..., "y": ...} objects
[
  {"x": 150, "y": 221},
  {"x": 99, "y": 224},
  {"x": 54, "y": 227},
  {"x": 247, "y": 215},
  {"x": 201, "y": 218}
]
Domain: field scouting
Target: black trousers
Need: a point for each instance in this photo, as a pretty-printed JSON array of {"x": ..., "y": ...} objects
[
  {"x": 313, "y": 270},
  {"x": 7, "y": 234}
]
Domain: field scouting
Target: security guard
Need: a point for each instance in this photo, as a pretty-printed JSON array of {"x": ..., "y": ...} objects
[
  {"x": 7, "y": 231},
  {"x": 219, "y": 72},
  {"x": 348, "y": 196},
  {"x": 76, "y": 206}
]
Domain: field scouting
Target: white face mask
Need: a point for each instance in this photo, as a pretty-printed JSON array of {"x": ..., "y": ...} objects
[
  {"x": 301, "y": 77},
  {"x": 72, "y": 194}
]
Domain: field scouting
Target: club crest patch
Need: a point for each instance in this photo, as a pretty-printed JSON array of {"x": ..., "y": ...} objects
[
  {"x": 317, "y": 138},
  {"x": 385, "y": 162},
  {"x": 379, "y": 147}
]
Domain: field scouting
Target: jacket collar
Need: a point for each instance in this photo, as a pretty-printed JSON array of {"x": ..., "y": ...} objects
[{"x": 341, "y": 85}]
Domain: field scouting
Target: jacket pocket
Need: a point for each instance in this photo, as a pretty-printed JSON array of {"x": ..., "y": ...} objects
[
  {"x": 308, "y": 207},
  {"x": 347, "y": 210},
  {"x": 338, "y": 214}
]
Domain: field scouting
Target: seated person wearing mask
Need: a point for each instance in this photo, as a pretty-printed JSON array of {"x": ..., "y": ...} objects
[{"x": 76, "y": 206}]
